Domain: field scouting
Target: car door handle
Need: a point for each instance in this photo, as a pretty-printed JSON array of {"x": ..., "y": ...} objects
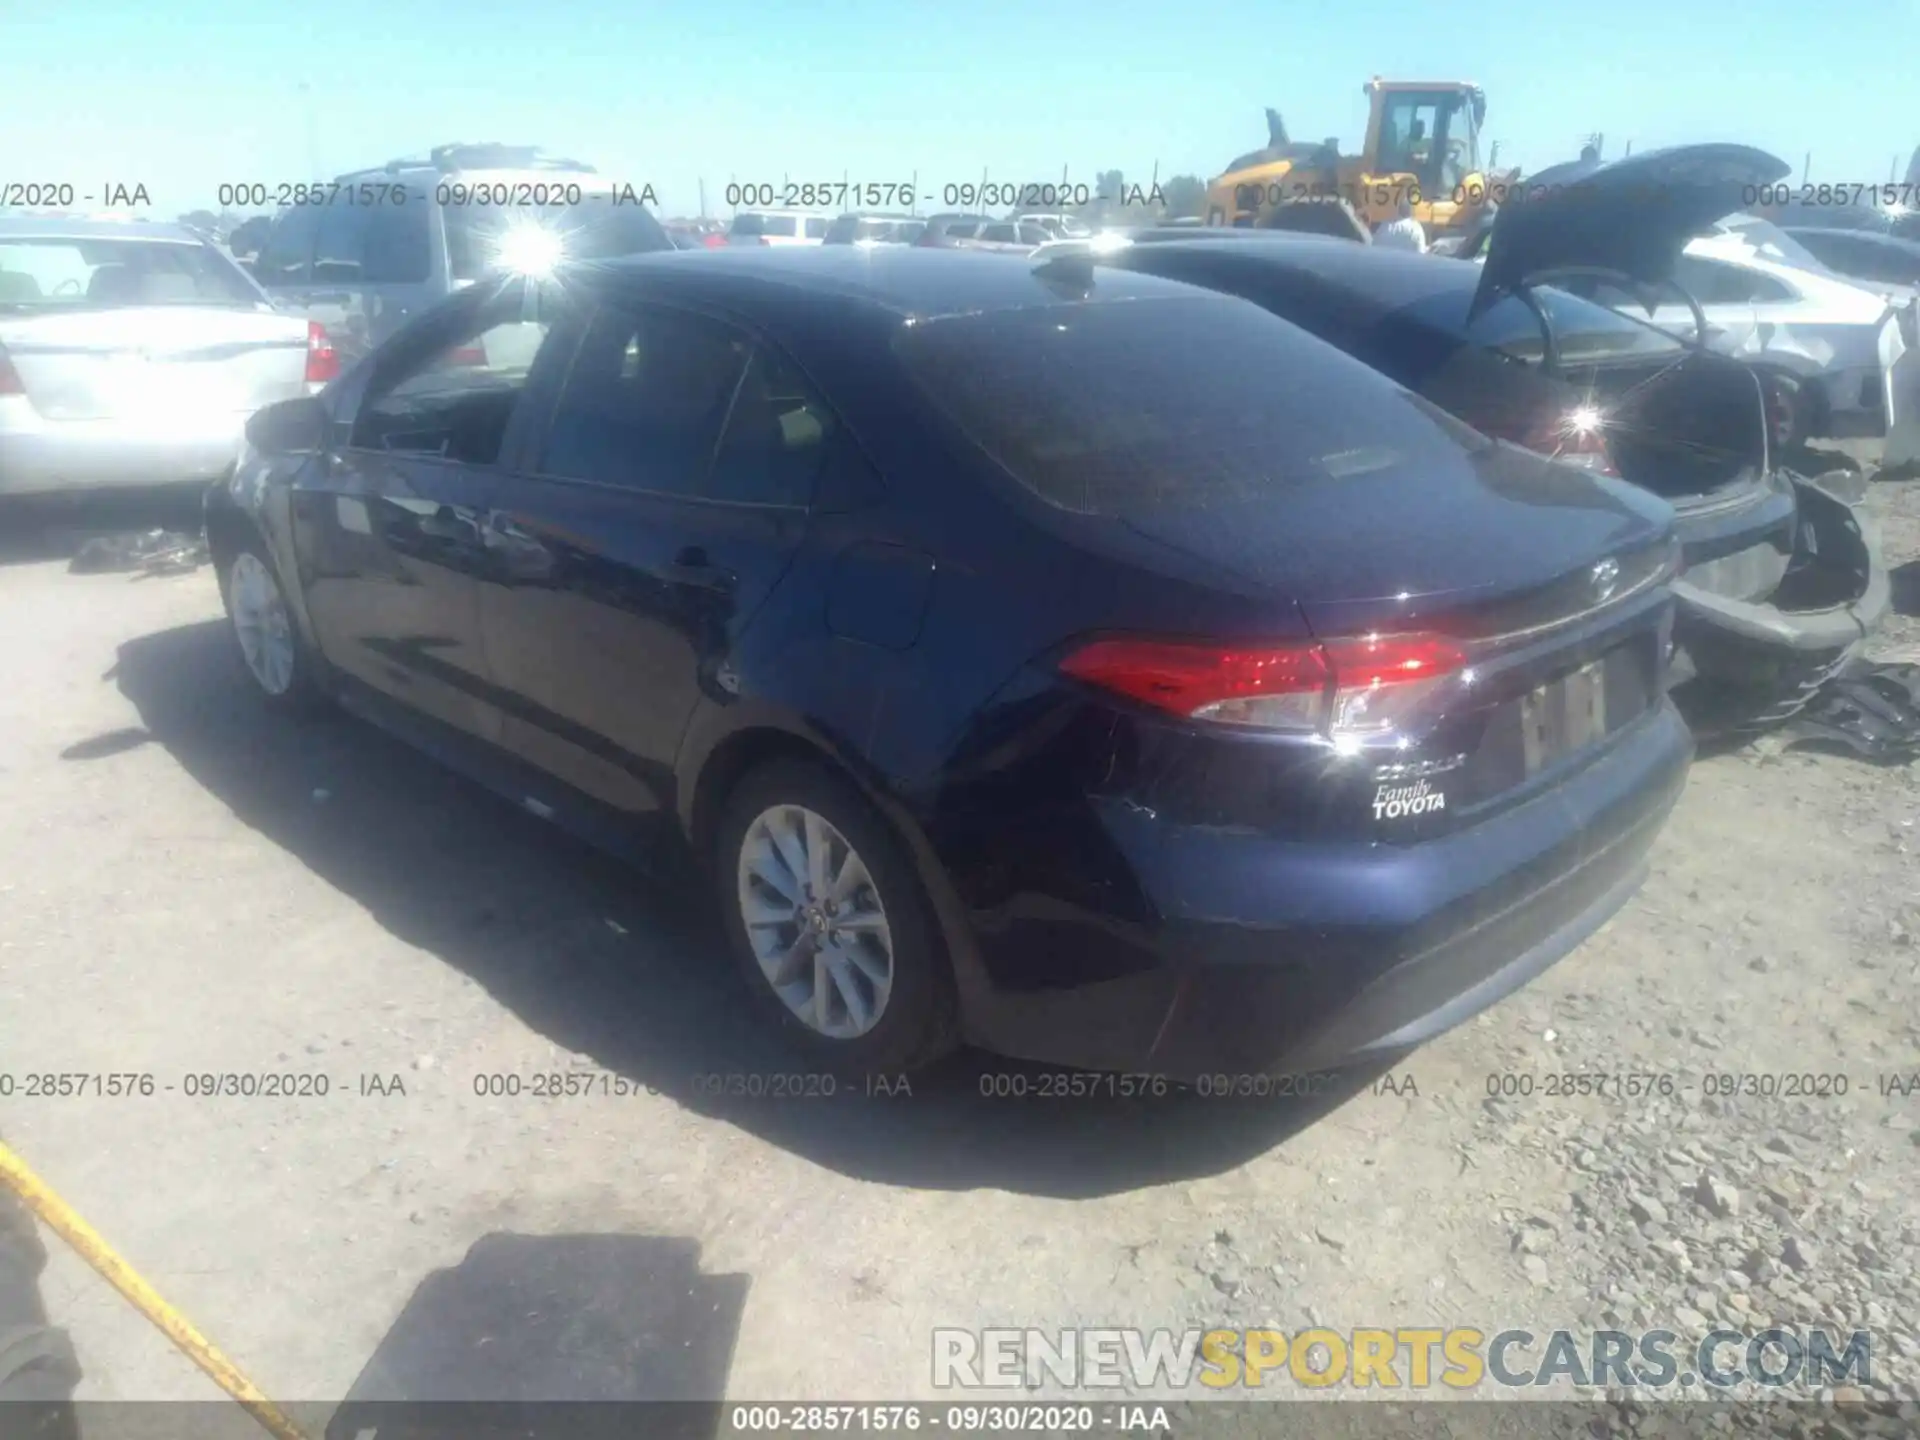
[{"x": 693, "y": 567}]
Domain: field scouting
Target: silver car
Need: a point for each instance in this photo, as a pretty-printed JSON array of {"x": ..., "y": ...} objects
[
  {"x": 391, "y": 242},
  {"x": 132, "y": 354}
]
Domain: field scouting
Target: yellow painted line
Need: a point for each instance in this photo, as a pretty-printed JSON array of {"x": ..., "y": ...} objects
[{"x": 61, "y": 1219}]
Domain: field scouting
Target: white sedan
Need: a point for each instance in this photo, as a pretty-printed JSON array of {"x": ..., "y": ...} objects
[{"x": 132, "y": 354}]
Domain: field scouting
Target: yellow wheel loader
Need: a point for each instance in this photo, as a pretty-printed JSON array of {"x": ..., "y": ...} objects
[{"x": 1422, "y": 150}]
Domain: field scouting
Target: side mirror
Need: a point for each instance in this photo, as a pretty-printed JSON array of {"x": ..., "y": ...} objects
[{"x": 289, "y": 427}]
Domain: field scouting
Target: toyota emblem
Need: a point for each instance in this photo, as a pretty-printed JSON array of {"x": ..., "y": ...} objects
[{"x": 1605, "y": 577}]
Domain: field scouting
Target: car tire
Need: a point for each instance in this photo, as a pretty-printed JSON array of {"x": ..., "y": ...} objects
[
  {"x": 872, "y": 890},
  {"x": 274, "y": 655}
]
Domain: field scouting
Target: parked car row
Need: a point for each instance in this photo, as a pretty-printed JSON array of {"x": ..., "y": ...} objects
[{"x": 1021, "y": 233}]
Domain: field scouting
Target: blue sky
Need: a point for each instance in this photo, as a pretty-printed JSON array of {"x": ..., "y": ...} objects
[{"x": 184, "y": 94}]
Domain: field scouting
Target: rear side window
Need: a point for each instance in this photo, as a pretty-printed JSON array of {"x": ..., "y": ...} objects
[
  {"x": 645, "y": 400},
  {"x": 397, "y": 246},
  {"x": 963, "y": 229},
  {"x": 1125, "y": 409},
  {"x": 748, "y": 224},
  {"x": 779, "y": 225},
  {"x": 843, "y": 230},
  {"x": 287, "y": 256},
  {"x": 1713, "y": 283},
  {"x": 776, "y": 437},
  {"x": 999, "y": 234},
  {"x": 816, "y": 227}
]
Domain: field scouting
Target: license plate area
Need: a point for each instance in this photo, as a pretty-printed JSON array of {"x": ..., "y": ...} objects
[{"x": 1563, "y": 716}]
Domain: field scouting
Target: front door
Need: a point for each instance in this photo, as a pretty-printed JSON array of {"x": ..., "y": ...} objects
[{"x": 389, "y": 532}]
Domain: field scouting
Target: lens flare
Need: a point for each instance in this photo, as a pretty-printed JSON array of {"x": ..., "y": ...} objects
[{"x": 530, "y": 249}]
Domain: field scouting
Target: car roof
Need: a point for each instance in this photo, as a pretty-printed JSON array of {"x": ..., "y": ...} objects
[
  {"x": 75, "y": 227},
  {"x": 1387, "y": 278},
  {"x": 903, "y": 281}
]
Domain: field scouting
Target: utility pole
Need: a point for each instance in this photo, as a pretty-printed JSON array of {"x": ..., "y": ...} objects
[
  {"x": 703, "y": 198},
  {"x": 312, "y": 129}
]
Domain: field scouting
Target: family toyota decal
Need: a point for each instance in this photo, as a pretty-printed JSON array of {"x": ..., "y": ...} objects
[
  {"x": 1390, "y": 802},
  {"x": 1460, "y": 1358}
]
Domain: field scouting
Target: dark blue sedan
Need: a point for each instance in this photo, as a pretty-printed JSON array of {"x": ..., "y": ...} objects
[{"x": 1074, "y": 662}]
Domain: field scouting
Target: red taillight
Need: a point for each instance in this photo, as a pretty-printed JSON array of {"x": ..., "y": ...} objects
[
  {"x": 1573, "y": 437},
  {"x": 714, "y": 242},
  {"x": 468, "y": 355},
  {"x": 1355, "y": 686},
  {"x": 1782, "y": 394},
  {"x": 9, "y": 377},
  {"x": 323, "y": 361}
]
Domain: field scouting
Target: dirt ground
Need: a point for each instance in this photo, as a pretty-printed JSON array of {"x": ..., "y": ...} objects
[{"x": 189, "y": 887}]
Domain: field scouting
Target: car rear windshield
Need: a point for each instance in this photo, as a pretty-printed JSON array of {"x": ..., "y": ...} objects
[
  {"x": 595, "y": 229},
  {"x": 1130, "y": 407},
  {"x": 1582, "y": 331},
  {"x": 53, "y": 273}
]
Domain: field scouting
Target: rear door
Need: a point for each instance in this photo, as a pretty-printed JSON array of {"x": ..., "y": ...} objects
[
  {"x": 657, "y": 512},
  {"x": 388, "y": 532}
]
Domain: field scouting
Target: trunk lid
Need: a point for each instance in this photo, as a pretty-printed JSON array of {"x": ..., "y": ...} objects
[
  {"x": 156, "y": 361},
  {"x": 1631, "y": 217}
]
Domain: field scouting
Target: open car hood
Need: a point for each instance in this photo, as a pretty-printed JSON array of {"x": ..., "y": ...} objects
[{"x": 1632, "y": 216}]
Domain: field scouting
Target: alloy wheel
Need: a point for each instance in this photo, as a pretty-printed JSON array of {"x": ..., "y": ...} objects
[
  {"x": 261, "y": 623},
  {"x": 815, "y": 921}
]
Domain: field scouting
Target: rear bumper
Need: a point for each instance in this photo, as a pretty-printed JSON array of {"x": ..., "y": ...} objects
[
  {"x": 1843, "y": 534},
  {"x": 44, "y": 457},
  {"x": 1272, "y": 956}
]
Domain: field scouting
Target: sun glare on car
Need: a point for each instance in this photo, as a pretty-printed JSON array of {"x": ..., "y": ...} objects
[{"x": 530, "y": 249}]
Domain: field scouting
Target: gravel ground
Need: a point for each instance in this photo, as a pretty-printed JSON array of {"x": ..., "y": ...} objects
[{"x": 188, "y": 887}]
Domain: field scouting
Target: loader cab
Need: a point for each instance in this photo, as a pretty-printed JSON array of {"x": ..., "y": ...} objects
[{"x": 1428, "y": 132}]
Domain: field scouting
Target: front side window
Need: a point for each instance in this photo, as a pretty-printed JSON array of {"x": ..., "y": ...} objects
[
  {"x": 287, "y": 256},
  {"x": 454, "y": 401},
  {"x": 645, "y": 400}
]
